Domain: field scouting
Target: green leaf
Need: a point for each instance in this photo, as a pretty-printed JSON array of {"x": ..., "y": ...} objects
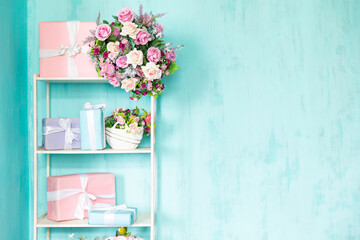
[
  {"x": 132, "y": 43},
  {"x": 157, "y": 42},
  {"x": 106, "y": 22},
  {"x": 112, "y": 38},
  {"x": 100, "y": 43},
  {"x": 173, "y": 67},
  {"x": 115, "y": 17},
  {"x": 123, "y": 115}
]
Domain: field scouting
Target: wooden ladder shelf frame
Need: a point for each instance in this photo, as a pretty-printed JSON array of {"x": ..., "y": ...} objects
[{"x": 144, "y": 220}]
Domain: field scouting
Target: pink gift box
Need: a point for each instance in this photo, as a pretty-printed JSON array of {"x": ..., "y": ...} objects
[
  {"x": 71, "y": 196},
  {"x": 62, "y": 51}
]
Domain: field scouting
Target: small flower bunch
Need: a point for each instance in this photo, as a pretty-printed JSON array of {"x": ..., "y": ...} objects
[
  {"x": 130, "y": 53},
  {"x": 122, "y": 234},
  {"x": 71, "y": 236},
  {"x": 131, "y": 120}
]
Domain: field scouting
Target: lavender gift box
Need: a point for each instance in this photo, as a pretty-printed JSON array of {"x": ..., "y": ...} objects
[{"x": 61, "y": 133}]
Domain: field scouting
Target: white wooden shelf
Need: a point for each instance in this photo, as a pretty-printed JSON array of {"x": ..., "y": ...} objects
[
  {"x": 71, "y": 80},
  {"x": 143, "y": 220},
  {"x": 40, "y": 150}
]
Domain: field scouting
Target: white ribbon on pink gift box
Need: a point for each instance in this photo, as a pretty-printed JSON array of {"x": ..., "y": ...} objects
[
  {"x": 110, "y": 210},
  {"x": 69, "y": 51},
  {"x": 85, "y": 198}
]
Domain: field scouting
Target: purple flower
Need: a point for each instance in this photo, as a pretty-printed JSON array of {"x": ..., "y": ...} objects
[
  {"x": 137, "y": 92},
  {"x": 143, "y": 85},
  {"x": 156, "y": 85},
  {"x": 147, "y": 129},
  {"x": 144, "y": 93}
]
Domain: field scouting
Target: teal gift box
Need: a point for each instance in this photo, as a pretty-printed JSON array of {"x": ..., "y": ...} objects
[
  {"x": 112, "y": 216},
  {"x": 92, "y": 127}
]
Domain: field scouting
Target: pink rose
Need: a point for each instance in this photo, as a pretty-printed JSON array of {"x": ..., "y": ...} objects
[
  {"x": 121, "y": 62},
  {"x": 121, "y": 120},
  {"x": 163, "y": 67},
  {"x": 109, "y": 69},
  {"x": 171, "y": 55},
  {"x": 148, "y": 118},
  {"x": 134, "y": 127},
  {"x": 126, "y": 15},
  {"x": 103, "y": 31},
  {"x": 149, "y": 86},
  {"x": 153, "y": 54},
  {"x": 124, "y": 41},
  {"x": 116, "y": 31},
  {"x": 113, "y": 81},
  {"x": 139, "y": 72},
  {"x": 118, "y": 75},
  {"x": 159, "y": 28},
  {"x": 111, "y": 56},
  {"x": 142, "y": 37}
]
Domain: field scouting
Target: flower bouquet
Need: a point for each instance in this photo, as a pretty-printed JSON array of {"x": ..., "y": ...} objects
[
  {"x": 125, "y": 128},
  {"x": 130, "y": 53}
]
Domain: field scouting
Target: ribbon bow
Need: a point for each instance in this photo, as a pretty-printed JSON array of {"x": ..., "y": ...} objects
[
  {"x": 65, "y": 125},
  {"x": 93, "y": 106},
  {"x": 70, "y": 51},
  {"x": 85, "y": 198}
]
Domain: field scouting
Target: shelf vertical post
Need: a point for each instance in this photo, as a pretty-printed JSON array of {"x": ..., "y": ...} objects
[
  {"x": 153, "y": 189},
  {"x": 47, "y": 155},
  {"x": 35, "y": 157}
]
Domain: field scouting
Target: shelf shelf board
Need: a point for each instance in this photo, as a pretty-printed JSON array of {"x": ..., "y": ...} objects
[
  {"x": 71, "y": 80},
  {"x": 43, "y": 222},
  {"x": 40, "y": 150}
]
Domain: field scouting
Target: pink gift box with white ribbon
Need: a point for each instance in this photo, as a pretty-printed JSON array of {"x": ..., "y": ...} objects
[
  {"x": 70, "y": 197},
  {"x": 62, "y": 51}
]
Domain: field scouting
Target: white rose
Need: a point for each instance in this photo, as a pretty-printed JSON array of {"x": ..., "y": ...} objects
[
  {"x": 135, "y": 57},
  {"x": 151, "y": 71},
  {"x": 113, "y": 47},
  {"x": 129, "y": 84},
  {"x": 130, "y": 29}
]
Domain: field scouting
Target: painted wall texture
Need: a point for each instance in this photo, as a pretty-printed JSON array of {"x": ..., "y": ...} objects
[
  {"x": 13, "y": 118},
  {"x": 257, "y": 133}
]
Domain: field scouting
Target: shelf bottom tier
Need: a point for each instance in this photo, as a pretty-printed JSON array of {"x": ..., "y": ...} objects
[{"x": 143, "y": 220}]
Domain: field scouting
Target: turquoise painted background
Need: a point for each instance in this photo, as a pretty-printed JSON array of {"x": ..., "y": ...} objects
[
  {"x": 257, "y": 134},
  {"x": 13, "y": 118}
]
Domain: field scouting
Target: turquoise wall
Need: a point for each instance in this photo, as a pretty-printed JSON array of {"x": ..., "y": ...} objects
[
  {"x": 257, "y": 134},
  {"x": 13, "y": 118}
]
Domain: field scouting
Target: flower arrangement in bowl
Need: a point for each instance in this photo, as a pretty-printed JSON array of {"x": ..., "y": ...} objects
[
  {"x": 130, "y": 53},
  {"x": 125, "y": 128}
]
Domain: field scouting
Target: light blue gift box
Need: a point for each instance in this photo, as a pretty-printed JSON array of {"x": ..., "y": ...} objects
[
  {"x": 122, "y": 217},
  {"x": 92, "y": 127}
]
